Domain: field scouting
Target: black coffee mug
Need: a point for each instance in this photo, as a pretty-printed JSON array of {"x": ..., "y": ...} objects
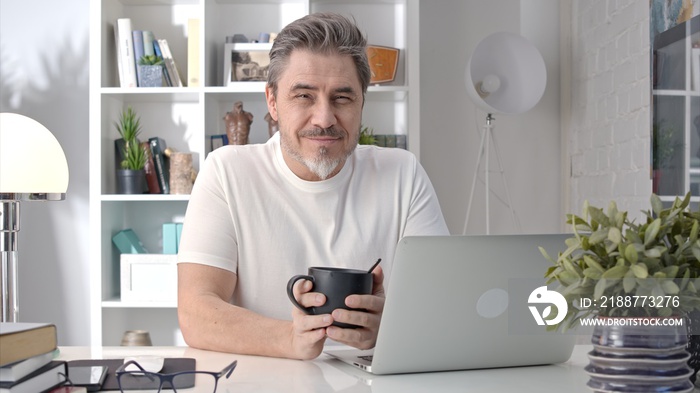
[{"x": 336, "y": 284}]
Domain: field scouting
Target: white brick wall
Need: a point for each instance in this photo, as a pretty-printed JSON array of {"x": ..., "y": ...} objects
[{"x": 609, "y": 132}]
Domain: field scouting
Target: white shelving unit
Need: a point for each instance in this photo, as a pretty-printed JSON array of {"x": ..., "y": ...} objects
[
  {"x": 185, "y": 118},
  {"x": 676, "y": 109}
]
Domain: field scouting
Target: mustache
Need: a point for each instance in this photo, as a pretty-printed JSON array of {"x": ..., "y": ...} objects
[{"x": 331, "y": 131}]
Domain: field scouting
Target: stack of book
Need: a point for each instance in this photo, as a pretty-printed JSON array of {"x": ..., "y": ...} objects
[
  {"x": 26, "y": 358},
  {"x": 133, "y": 44}
]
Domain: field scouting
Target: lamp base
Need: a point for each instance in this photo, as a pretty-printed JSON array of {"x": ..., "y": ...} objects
[{"x": 9, "y": 229}]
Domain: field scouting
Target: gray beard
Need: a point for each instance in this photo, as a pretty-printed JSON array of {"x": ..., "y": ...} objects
[{"x": 321, "y": 165}]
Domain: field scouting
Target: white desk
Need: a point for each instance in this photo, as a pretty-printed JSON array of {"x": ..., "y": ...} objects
[{"x": 324, "y": 374}]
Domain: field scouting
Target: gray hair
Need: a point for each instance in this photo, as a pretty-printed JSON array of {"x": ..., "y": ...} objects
[{"x": 326, "y": 33}]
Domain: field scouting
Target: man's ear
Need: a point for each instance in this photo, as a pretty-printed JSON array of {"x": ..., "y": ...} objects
[{"x": 271, "y": 102}]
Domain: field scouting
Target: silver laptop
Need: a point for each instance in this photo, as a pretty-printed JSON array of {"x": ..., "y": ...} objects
[{"x": 461, "y": 302}]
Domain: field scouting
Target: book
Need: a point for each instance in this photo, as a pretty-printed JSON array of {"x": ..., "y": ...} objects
[
  {"x": 150, "y": 169},
  {"x": 159, "y": 52},
  {"x": 127, "y": 242},
  {"x": 22, "y": 340},
  {"x": 170, "y": 238},
  {"x": 15, "y": 371},
  {"x": 125, "y": 44},
  {"x": 169, "y": 62},
  {"x": 158, "y": 147},
  {"x": 193, "y": 52},
  {"x": 148, "y": 39},
  {"x": 47, "y": 377},
  {"x": 137, "y": 38}
]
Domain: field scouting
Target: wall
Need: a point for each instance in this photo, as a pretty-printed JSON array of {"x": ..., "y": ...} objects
[
  {"x": 609, "y": 124},
  {"x": 451, "y": 126},
  {"x": 44, "y": 75}
]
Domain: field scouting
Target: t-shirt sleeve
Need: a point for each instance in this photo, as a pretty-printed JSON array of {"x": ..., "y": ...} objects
[
  {"x": 208, "y": 233},
  {"x": 425, "y": 215}
]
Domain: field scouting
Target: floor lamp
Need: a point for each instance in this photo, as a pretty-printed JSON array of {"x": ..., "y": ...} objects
[
  {"x": 505, "y": 74},
  {"x": 33, "y": 167}
]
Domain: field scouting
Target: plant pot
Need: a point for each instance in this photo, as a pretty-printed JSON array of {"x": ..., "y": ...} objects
[
  {"x": 637, "y": 357},
  {"x": 131, "y": 181},
  {"x": 150, "y": 75}
]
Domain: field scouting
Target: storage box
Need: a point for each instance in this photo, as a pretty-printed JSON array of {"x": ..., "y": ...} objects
[{"x": 148, "y": 277}]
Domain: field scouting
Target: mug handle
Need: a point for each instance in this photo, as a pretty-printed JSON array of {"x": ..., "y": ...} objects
[{"x": 290, "y": 292}]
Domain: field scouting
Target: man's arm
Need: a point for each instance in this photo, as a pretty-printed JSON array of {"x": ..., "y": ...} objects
[{"x": 208, "y": 321}]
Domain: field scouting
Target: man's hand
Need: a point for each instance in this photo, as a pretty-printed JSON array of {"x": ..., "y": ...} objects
[
  {"x": 308, "y": 331},
  {"x": 368, "y": 316}
]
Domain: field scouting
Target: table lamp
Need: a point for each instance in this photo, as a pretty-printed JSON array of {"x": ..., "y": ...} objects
[
  {"x": 33, "y": 167},
  {"x": 506, "y": 74}
]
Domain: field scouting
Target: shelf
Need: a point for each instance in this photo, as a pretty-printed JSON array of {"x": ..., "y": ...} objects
[
  {"x": 117, "y": 303},
  {"x": 144, "y": 198}
]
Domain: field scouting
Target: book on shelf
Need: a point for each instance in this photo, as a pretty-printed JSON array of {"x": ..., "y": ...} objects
[
  {"x": 17, "y": 370},
  {"x": 169, "y": 62},
  {"x": 49, "y": 376},
  {"x": 193, "y": 52},
  {"x": 161, "y": 161},
  {"x": 148, "y": 39},
  {"x": 150, "y": 169},
  {"x": 23, "y": 340},
  {"x": 137, "y": 39},
  {"x": 127, "y": 242},
  {"x": 170, "y": 242},
  {"x": 125, "y": 53},
  {"x": 158, "y": 52}
]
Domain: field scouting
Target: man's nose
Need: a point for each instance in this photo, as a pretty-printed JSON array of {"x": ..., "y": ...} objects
[{"x": 324, "y": 115}]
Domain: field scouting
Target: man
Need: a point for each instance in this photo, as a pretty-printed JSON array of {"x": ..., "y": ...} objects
[{"x": 261, "y": 213}]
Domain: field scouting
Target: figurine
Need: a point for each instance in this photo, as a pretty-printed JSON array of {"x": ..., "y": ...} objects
[
  {"x": 238, "y": 124},
  {"x": 272, "y": 125}
]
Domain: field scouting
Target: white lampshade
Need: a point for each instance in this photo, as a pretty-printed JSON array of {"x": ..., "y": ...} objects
[
  {"x": 31, "y": 159},
  {"x": 506, "y": 74}
]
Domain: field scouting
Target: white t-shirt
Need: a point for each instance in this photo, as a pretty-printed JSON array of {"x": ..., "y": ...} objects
[{"x": 251, "y": 215}]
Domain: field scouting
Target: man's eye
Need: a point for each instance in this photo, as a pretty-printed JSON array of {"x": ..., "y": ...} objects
[
  {"x": 303, "y": 96},
  {"x": 342, "y": 99}
]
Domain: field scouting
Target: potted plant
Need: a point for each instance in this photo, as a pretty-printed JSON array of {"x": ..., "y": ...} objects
[
  {"x": 150, "y": 71},
  {"x": 631, "y": 276},
  {"x": 130, "y": 174},
  {"x": 367, "y": 136}
]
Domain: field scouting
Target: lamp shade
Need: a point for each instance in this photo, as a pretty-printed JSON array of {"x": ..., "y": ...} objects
[
  {"x": 505, "y": 74},
  {"x": 31, "y": 159}
]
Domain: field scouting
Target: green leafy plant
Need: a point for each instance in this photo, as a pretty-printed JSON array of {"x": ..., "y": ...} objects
[
  {"x": 367, "y": 136},
  {"x": 129, "y": 128},
  {"x": 611, "y": 257},
  {"x": 151, "y": 60}
]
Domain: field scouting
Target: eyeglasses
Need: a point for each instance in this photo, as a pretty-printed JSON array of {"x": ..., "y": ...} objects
[{"x": 144, "y": 380}]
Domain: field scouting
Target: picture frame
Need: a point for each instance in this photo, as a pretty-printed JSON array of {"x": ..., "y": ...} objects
[
  {"x": 136, "y": 277},
  {"x": 217, "y": 141},
  {"x": 246, "y": 62}
]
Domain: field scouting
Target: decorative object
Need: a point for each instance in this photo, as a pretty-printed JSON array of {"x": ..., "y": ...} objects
[
  {"x": 137, "y": 272},
  {"x": 616, "y": 268},
  {"x": 238, "y": 123},
  {"x": 131, "y": 176},
  {"x": 626, "y": 358},
  {"x": 510, "y": 58},
  {"x": 181, "y": 173},
  {"x": 246, "y": 62},
  {"x": 139, "y": 338},
  {"x": 150, "y": 71},
  {"x": 383, "y": 62},
  {"x": 272, "y": 125},
  {"x": 33, "y": 167}
]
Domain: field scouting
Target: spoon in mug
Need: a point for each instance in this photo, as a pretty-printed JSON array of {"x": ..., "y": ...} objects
[{"x": 373, "y": 266}]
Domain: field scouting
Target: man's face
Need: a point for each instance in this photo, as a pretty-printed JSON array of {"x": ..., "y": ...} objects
[{"x": 319, "y": 109}]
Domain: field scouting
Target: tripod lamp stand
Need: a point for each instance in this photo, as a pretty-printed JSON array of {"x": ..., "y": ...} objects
[
  {"x": 505, "y": 74},
  {"x": 33, "y": 167}
]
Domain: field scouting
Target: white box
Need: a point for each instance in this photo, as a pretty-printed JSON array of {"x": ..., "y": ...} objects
[{"x": 148, "y": 277}]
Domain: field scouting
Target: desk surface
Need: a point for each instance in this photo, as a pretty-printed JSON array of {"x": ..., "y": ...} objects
[{"x": 325, "y": 374}]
